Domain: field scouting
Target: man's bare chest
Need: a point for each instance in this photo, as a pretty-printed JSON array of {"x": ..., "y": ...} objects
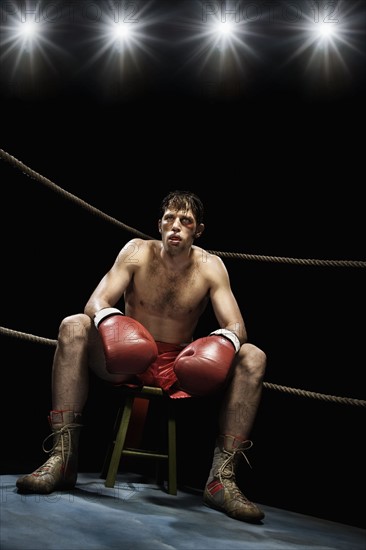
[{"x": 169, "y": 292}]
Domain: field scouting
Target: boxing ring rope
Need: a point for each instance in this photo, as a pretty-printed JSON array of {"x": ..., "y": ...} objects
[
  {"x": 278, "y": 259},
  {"x": 328, "y": 263}
]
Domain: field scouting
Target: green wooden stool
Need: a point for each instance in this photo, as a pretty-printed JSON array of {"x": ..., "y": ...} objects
[{"x": 119, "y": 446}]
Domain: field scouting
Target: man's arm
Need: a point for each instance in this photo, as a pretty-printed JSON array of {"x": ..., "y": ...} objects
[
  {"x": 203, "y": 365},
  {"x": 128, "y": 347},
  {"x": 224, "y": 303},
  {"x": 114, "y": 283}
]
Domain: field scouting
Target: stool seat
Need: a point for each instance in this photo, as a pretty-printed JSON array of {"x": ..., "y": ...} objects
[{"x": 119, "y": 446}]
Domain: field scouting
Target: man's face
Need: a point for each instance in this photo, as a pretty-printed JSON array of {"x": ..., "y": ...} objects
[{"x": 178, "y": 229}]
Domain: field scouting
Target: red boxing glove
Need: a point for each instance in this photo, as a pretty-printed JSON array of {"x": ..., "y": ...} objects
[
  {"x": 202, "y": 367},
  {"x": 128, "y": 347}
]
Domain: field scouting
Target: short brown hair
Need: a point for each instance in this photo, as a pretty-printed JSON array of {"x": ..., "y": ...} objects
[{"x": 183, "y": 200}]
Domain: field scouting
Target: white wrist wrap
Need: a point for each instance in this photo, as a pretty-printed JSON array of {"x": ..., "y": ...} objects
[
  {"x": 230, "y": 336},
  {"x": 105, "y": 312}
]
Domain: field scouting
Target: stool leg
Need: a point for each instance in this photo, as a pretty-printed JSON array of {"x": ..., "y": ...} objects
[
  {"x": 108, "y": 456},
  {"x": 172, "y": 453},
  {"x": 119, "y": 443}
]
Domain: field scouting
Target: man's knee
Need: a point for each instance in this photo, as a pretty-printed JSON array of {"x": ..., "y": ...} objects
[
  {"x": 252, "y": 359},
  {"x": 74, "y": 328}
]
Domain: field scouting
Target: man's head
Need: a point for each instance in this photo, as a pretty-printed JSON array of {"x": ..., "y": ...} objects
[{"x": 181, "y": 220}]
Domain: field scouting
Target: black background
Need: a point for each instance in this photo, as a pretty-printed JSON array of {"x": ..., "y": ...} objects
[{"x": 276, "y": 153}]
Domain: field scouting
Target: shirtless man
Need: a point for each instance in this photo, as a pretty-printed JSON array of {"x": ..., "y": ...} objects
[{"x": 165, "y": 286}]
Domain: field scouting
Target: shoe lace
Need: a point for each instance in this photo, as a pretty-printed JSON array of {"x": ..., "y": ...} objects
[
  {"x": 59, "y": 436},
  {"x": 231, "y": 459},
  {"x": 47, "y": 465}
]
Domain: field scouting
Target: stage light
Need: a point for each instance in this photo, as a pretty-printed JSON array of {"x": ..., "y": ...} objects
[
  {"x": 25, "y": 40},
  {"x": 217, "y": 38},
  {"x": 119, "y": 39},
  {"x": 121, "y": 35},
  {"x": 121, "y": 31},
  {"x": 22, "y": 36},
  {"x": 223, "y": 29},
  {"x": 325, "y": 30},
  {"x": 328, "y": 41},
  {"x": 28, "y": 29}
]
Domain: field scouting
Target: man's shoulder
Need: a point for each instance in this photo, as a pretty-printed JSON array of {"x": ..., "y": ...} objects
[
  {"x": 205, "y": 256},
  {"x": 138, "y": 242},
  {"x": 137, "y": 249}
]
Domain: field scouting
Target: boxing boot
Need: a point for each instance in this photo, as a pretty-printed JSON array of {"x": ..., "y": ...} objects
[
  {"x": 59, "y": 472},
  {"x": 221, "y": 491}
]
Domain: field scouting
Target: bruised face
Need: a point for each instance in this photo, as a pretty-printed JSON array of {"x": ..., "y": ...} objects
[{"x": 178, "y": 230}]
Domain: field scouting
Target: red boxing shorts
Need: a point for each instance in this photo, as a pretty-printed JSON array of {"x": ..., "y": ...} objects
[{"x": 161, "y": 373}]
